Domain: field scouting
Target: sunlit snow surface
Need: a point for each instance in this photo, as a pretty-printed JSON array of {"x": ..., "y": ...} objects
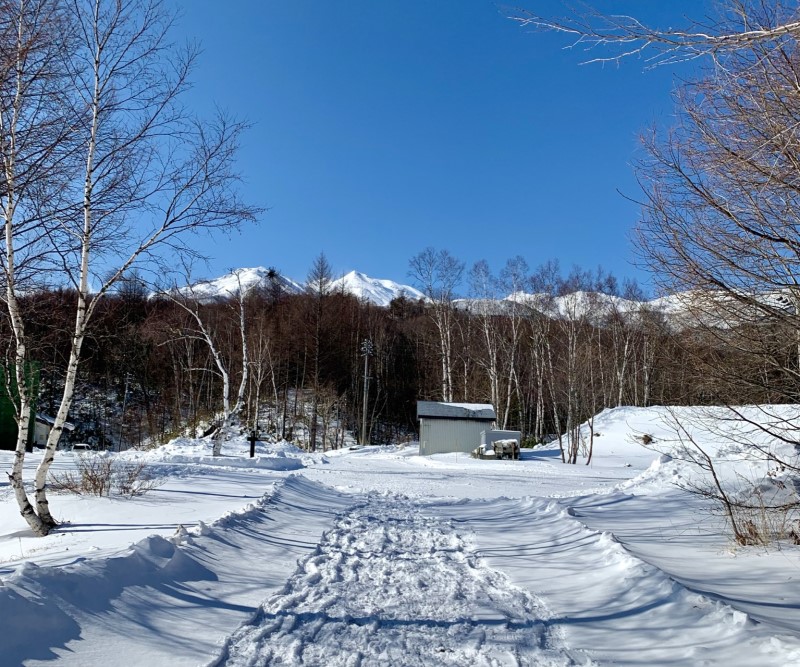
[{"x": 381, "y": 557}]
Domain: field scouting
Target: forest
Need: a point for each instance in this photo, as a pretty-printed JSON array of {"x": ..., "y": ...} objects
[{"x": 566, "y": 347}]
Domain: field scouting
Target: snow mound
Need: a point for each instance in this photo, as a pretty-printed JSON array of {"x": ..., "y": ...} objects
[
  {"x": 738, "y": 440},
  {"x": 235, "y": 454}
]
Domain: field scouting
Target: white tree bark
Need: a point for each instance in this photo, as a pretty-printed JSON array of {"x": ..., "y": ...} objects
[{"x": 150, "y": 174}]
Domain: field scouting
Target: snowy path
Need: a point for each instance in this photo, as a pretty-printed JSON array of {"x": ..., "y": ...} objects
[
  {"x": 311, "y": 575},
  {"x": 389, "y": 585}
]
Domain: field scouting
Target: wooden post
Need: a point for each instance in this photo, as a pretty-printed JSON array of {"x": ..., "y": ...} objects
[{"x": 252, "y": 440}]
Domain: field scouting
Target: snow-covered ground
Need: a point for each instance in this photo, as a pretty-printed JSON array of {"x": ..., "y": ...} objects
[{"x": 378, "y": 556}]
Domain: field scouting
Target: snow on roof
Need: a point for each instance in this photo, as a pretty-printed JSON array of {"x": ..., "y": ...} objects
[
  {"x": 50, "y": 421},
  {"x": 436, "y": 409}
]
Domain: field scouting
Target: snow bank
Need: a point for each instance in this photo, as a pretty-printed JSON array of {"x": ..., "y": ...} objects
[
  {"x": 164, "y": 600},
  {"x": 235, "y": 454}
]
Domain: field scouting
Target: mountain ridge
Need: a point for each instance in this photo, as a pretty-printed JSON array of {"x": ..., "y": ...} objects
[{"x": 381, "y": 292}]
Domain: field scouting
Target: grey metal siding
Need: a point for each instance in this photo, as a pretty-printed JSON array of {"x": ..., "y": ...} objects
[{"x": 439, "y": 436}]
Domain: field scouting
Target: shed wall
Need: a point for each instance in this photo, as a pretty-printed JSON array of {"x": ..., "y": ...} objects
[
  {"x": 439, "y": 436},
  {"x": 40, "y": 433}
]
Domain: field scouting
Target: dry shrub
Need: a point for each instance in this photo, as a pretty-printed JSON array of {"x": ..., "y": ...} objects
[
  {"x": 761, "y": 521},
  {"x": 99, "y": 475},
  {"x": 133, "y": 479}
]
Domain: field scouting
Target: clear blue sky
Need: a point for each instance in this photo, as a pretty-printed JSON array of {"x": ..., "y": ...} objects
[{"x": 381, "y": 127}]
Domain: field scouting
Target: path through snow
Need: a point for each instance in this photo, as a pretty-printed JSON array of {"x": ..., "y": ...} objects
[{"x": 390, "y": 585}]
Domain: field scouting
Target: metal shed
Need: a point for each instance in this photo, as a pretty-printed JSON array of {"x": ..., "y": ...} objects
[{"x": 452, "y": 427}]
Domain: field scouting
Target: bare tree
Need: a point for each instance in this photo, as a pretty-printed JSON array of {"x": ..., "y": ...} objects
[
  {"x": 318, "y": 286},
  {"x": 513, "y": 278},
  {"x": 36, "y": 152},
  {"x": 741, "y": 25},
  {"x": 483, "y": 286},
  {"x": 264, "y": 367},
  {"x": 722, "y": 195},
  {"x": 144, "y": 175},
  {"x": 204, "y": 332},
  {"x": 438, "y": 274},
  {"x": 722, "y": 200}
]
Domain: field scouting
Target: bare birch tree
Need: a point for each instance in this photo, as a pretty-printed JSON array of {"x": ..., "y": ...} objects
[
  {"x": 438, "y": 274},
  {"x": 513, "y": 278},
  {"x": 144, "y": 175},
  {"x": 35, "y": 144},
  {"x": 204, "y": 332},
  {"x": 485, "y": 307}
]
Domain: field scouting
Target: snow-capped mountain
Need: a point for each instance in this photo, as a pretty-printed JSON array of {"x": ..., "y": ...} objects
[
  {"x": 580, "y": 304},
  {"x": 682, "y": 309},
  {"x": 245, "y": 279},
  {"x": 576, "y": 304},
  {"x": 374, "y": 290}
]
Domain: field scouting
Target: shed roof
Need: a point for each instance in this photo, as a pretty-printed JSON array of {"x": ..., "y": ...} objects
[
  {"x": 51, "y": 421},
  {"x": 435, "y": 409}
]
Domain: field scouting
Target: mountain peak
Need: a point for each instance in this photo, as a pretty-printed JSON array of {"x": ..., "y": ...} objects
[
  {"x": 381, "y": 292},
  {"x": 378, "y": 291}
]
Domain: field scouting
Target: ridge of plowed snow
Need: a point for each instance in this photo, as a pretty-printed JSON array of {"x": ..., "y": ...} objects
[
  {"x": 632, "y": 613},
  {"x": 165, "y": 601}
]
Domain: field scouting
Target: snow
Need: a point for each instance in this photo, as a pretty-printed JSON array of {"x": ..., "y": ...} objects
[
  {"x": 380, "y": 556},
  {"x": 380, "y": 292},
  {"x": 246, "y": 279},
  {"x": 377, "y": 291}
]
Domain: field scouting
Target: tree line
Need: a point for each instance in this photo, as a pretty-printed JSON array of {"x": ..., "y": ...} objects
[{"x": 547, "y": 350}]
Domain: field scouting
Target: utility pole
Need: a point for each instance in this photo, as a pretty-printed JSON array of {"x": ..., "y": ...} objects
[
  {"x": 122, "y": 419},
  {"x": 366, "y": 351}
]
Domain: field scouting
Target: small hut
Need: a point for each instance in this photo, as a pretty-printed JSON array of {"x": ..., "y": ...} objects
[
  {"x": 452, "y": 427},
  {"x": 42, "y": 427}
]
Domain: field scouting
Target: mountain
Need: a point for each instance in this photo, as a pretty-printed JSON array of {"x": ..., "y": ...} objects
[
  {"x": 374, "y": 290},
  {"x": 246, "y": 279},
  {"x": 680, "y": 310},
  {"x": 577, "y": 304},
  {"x": 594, "y": 306}
]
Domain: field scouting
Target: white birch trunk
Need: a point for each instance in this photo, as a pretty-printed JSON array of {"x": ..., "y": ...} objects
[
  {"x": 82, "y": 312},
  {"x": 25, "y": 401}
]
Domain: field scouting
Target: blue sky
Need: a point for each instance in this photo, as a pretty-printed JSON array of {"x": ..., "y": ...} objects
[{"x": 381, "y": 127}]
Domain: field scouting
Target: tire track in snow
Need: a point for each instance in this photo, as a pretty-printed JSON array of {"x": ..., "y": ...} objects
[{"x": 388, "y": 585}]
